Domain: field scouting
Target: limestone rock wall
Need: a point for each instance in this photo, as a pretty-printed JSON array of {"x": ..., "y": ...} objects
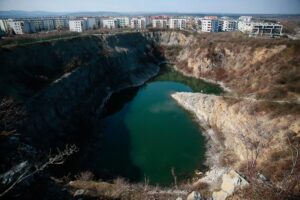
[{"x": 239, "y": 125}]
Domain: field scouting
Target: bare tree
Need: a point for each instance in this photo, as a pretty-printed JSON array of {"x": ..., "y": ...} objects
[
  {"x": 256, "y": 138},
  {"x": 57, "y": 159},
  {"x": 174, "y": 176},
  {"x": 10, "y": 116}
]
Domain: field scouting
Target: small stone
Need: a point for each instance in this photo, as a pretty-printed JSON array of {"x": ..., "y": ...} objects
[
  {"x": 221, "y": 195},
  {"x": 79, "y": 192},
  {"x": 194, "y": 196},
  {"x": 179, "y": 198}
]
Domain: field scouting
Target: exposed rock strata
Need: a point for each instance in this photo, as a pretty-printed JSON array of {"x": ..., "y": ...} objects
[{"x": 237, "y": 121}]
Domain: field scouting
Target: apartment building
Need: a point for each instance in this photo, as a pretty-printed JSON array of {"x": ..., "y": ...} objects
[
  {"x": 91, "y": 23},
  {"x": 177, "y": 23},
  {"x": 209, "y": 25},
  {"x": 77, "y": 25},
  {"x": 38, "y": 24},
  {"x": 61, "y": 23},
  {"x": 160, "y": 22},
  {"x": 244, "y": 24},
  {"x": 198, "y": 22},
  {"x": 138, "y": 23},
  {"x": 48, "y": 24},
  {"x": 227, "y": 24},
  {"x": 265, "y": 29},
  {"x": 4, "y": 26},
  {"x": 109, "y": 23},
  {"x": 122, "y": 22},
  {"x": 21, "y": 27}
]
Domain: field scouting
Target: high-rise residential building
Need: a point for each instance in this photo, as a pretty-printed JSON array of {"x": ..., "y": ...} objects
[
  {"x": 198, "y": 22},
  {"x": 38, "y": 24},
  {"x": 77, "y": 25},
  {"x": 4, "y": 26},
  {"x": 122, "y": 22},
  {"x": 91, "y": 23},
  {"x": 109, "y": 23},
  {"x": 244, "y": 24},
  {"x": 227, "y": 25},
  {"x": 177, "y": 23},
  {"x": 210, "y": 25},
  {"x": 61, "y": 23},
  {"x": 138, "y": 23},
  {"x": 22, "y": 27},
  {"x": 48, "y": 24},
  {"x": 265, "y": 29},
  {"x": 160, "y": 22}
]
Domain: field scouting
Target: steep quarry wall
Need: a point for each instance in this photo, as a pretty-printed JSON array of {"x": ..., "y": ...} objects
[
  {"x": 263, "y": 68},
  {"x": 240, "y": 125},
  {"x": 64, "y": 84}
]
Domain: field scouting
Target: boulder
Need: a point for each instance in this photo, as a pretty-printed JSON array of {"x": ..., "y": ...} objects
[
  {"x": 230, "y": 183},
  {"x": 194, "y": 196},
  {"x": 79, "y": 192},
  {"x": 220, "y": 195}
]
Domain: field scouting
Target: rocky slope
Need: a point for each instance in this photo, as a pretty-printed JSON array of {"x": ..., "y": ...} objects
[
  {"x": 262, "y": 68},
  {"x": 239, "y": 122},
  {"x": 257, "y": 121},
  {"x": 63, "y": 85}
]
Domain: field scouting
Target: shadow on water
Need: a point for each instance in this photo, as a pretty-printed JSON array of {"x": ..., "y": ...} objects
[
  {"x": 137, "y": 136},
  {"x": 108, "y": 156},
  {"x": 167, "y": 73}
]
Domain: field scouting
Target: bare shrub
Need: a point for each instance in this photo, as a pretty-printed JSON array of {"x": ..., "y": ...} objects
[
  {"x": 34, "y": 168},
  {"x": 219, "y": 135},
  {"x": 85, "y": 176},
  {"x": 11, "y": 115}
]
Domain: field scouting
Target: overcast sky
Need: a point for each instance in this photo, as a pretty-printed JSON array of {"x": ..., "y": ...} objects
[{"x": 206, "y": 6}]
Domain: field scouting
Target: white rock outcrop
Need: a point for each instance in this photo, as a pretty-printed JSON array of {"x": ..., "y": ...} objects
[
  {"x": 230, "y": 183},
  {"x": 194, "y": 196}
]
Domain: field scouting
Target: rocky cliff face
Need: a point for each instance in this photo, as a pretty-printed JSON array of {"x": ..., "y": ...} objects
[
  {"x": 64, "y": 84},
  {"x": 254, "y": 67},
  {"x": 240, "y": 123}
]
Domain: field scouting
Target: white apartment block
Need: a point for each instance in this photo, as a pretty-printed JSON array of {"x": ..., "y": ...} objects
[
  {"x": 198, "y": 22},
  {"x": 38, "y": 24},
  {"x": 109, "y": 23},
  {"x": 4, "y": 26},
  {"x": 160, "y": 23},
  {"x": 228, "y": 25},
  {"x": 244, "y": 24},
  {"x": 265, "y": 29},
  {"x": 21, "y": 27},
  {"x": 209, "y": 25},
  {"x": 177, "y": 23},
  {"x": 48, "y": 24},
  {"x": 138, "y": 23},
  {"x": 77, "y": 25},
  {"x": 61, "y": 23},
  {"x": 122, "y": 22}
]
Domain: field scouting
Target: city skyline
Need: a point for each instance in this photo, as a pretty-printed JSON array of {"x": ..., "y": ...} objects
[{"x": 180, "y": 6}]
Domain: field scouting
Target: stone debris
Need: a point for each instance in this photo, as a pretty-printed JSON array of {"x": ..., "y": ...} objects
[
  {"x": 79, "y": 192},
  {"x": 9, "y": 176},
  {"x": 230, "y": 183},
  {"x": 194, "y": 196}
]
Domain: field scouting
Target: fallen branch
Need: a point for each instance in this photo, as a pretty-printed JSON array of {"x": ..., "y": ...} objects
[{"x": 57, "y": 159}]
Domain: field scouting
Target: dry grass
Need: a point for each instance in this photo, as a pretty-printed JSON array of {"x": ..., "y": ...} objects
[
  {"x": 120, "y": 189},
  {"x": 278, "y": 109},
  {"x": 266, "y": 67}
]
